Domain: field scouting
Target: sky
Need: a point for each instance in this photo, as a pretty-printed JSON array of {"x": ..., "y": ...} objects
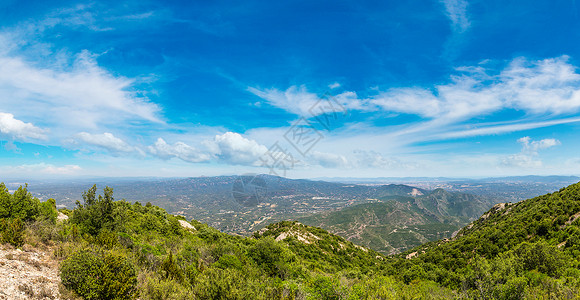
[{"x": 301, "y": 89}]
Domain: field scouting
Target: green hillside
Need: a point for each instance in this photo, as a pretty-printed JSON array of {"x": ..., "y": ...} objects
[
  {"x": 111, "y": 249},
  {"x": 402, "y": 222},
  {"x": 529, "y": 249},
  {"x": 120, "y": 250}
]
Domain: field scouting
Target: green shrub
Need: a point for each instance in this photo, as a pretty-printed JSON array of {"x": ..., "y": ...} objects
[
  {"x": 96, "y": 213},
  {"x": 171, "y": 269},
  {"x": 272, "y": 256},
  {"x": 47, "y": 210},
  {"x": 228, "y": 261},
  {"x": 95, "y": 277},
  {"x": 12, "y": 232}
]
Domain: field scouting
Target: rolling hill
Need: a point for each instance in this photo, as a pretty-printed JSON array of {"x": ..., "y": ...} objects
[
  {"x": 402, "y": 222},
  {"x": 212, "y": 199}
]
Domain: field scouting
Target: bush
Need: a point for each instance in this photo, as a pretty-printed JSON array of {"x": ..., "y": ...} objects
[
  {"x": 272, "y": 256},
  {"x": 47, "y": 210},
  {"x": 171, "y": 269},
  {"x": 96, "y": 213},
  {"x": 95, "y": 277},
  {"x": 12, "y": 232}
]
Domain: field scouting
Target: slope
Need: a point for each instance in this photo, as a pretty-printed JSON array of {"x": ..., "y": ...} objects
[
  {"x": 528, "y": 249},
  {"x": 402, "y": 222}
]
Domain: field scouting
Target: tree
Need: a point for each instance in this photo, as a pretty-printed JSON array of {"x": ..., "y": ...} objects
[
  {"x": 48, "y": 210},
  {"x": 5, "y": 201},
  {"x": 24, "y": 205},
  {"x": 96, "y": 213}
]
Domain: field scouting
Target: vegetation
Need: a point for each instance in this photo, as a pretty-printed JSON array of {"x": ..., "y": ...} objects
[{"x": 119, "y": 250}]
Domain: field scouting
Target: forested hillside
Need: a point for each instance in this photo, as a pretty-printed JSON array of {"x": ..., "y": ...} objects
[
  {"x": 528, "y": 249},
  {"x": 120, "y": 250},
  {"x": 402, "y": 222}
]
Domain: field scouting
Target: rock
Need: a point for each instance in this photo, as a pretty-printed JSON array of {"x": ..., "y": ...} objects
[
  {"x": 61, "y": 217},
  {"x": 186, "y": 225},
  {"x": 28, "y": 275}
]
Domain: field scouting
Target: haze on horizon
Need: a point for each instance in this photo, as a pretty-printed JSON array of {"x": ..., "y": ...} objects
[{"x": 449, "y": 88}]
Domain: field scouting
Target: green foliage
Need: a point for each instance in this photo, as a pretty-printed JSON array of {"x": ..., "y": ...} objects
[
  {"x": 528, "y": 250},
  {"x": 233, "y": 284},
  {"x": 94, "y": 277},
  {"x": 171, "y": 269},
  {"x": 24, "y": 205},
  {"x": 48, "y": 211},
  {"x": 97, "y": 211},
  {"x": 229, "y": 261},
  {"x": 21, "y": 204},
  {"x": 12, "y": 231},
  {"x": 273, "y": 257},
  {"x": 5, "y": 202}
]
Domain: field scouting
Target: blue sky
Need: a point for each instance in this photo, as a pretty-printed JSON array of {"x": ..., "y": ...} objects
[{"x": 396, "y": 88}]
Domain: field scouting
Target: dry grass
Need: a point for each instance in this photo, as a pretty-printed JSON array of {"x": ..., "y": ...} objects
[
  {"x": 26, "y": 289},
  {"x": 45, "y": 293}
]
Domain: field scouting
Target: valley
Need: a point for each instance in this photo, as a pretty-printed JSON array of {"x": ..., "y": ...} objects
[{"x": 389, "y": 218}]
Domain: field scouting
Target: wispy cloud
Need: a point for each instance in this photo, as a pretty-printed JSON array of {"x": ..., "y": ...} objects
[
  {"x": 329, "y": 160},
  {"x": 40, "y": 168},
  {"x": 485, "y": 129},
  {"x": 299, "y": 101},
  {"x": 61, "y": 91},
  {"x": 546, "y": 90},
  {"x": 456, "y": 11}
]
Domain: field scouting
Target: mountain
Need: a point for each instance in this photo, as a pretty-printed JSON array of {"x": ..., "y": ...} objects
[
  {"x": 402, "y": 222},
  {"x": 121, "y": 250},
  {"x": 524, "y": 250},
  {"x": 106, "y": 249},
  {"x": 222, "y": 201},
  {"x": 503, "y": 189}
]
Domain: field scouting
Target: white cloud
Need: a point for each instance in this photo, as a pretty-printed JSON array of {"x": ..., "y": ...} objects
[
  {"x": 529, "y": 156},
  {"x": 106, "y": 140},
  {"x": 503, "y": 128},
  {"x": 456, "y": 11},
  {"x": 84, "y": 96},
  {"x": 329, "y": 160},
  {"x": 548, "y": 87},
  {"x": 179, "y": 150},
  {"x": 233, "y": 148},
  {"x": 296, "y": 100},
  {"x": 41, "y": 168},
  {"x": 545, "y": 86},
  {"x": 63, "y": 91},
  {"x": 299, "y": 101},
  {"x": 532, "y": 147},
  {"x": 334, "y": 85},
  {"x": 375, "y": 160},
  {"x": 17, "y": 129},
  {"x": 411, "y": 101},
  {"x": 10, "y": 146}
]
